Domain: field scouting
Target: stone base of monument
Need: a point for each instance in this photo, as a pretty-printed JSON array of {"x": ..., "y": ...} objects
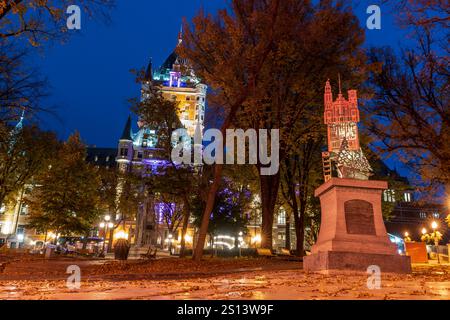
[{"x": 352, "y": 234}]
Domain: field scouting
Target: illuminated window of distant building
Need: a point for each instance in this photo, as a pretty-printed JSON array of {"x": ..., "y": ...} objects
[
  {"x": 23, "y": 209},
  {"x": 107, "y": 158},
  {"x": 407, "y": 197},
  {"x": 124, "y": 152},
  {"x": 20, "y": 229},
  {"x": 96, "y": 158},
  {"x": 422, "y": 215},
  {"x": 389, "y": 195},
  {"x": 282, "y": 216},
  {"x": 281, "y": 236}
]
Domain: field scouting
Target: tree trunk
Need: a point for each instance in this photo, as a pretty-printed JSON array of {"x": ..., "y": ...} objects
[
  {"x": 288, "y": 234},
  {"x": 300, "y": 223},
  {"x": 198, "y": 253},
  {"x": 187, "y": 213},
  {"x": 300, "y": 234},
  {"x": 269, "y": 193}
]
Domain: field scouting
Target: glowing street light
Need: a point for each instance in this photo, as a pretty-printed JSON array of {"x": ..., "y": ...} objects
[
  {"x": 106, "y": 225},
  {"x": 407, "y": 238},
  {"x": 424, "y": 231},
  {"x": 434, "y": 226}
]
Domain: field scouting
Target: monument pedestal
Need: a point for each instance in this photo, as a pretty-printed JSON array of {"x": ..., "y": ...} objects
[{"x": 352, "y": 234}]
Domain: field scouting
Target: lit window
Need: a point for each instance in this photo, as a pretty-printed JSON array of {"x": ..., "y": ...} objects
[
  {"x": 282, "y": 216},
  {"x": 107, "y": 158},
  {"x": 389, "y": 195},
  {"x": 96, "y": 158},
  {"x": 422, "y": 215},
  {"x": 23, "y": 210},
  {"x": 407, "y": 196}
]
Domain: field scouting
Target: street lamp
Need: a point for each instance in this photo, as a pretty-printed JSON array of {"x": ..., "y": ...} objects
[
  {"x": 106, "y": 225},
  {"x": 424, "y": 231},
  {"x": 170, "y": 243},
  {"x": 407, "y": 238},
  {"x": 434, "y": 226}
]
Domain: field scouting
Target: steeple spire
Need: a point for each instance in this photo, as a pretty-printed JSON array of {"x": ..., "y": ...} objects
[
  {"x": 19, "y": 125},
  {"x": 149, "y": 71},
  {"x": 340, "y": 88},
  {"x": 126, "y": 135},
  {"x": 180, "y": 35}
]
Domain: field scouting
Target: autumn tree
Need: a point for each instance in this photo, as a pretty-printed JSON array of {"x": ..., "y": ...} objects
[
  {"x": 422, "y": 12},
  {"x": 35, "y": 21},
  {"x": 120, "y": 194},
  {"x": 21, "y": 86},
  {"x": 24, "y": 153},
  {"x": 42, "y": 20},
  {"x": 409, "y": 115},
  {"x": 230, "y": 207},
  {"x": 315, "y": 42},
  {"x": 65, "y": 199},
  {"x": 301, "y": 174},
  {"x": 227, "y": 51}
]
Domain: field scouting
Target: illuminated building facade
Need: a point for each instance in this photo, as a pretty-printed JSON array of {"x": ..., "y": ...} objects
[{"x": 138, "y": 151}]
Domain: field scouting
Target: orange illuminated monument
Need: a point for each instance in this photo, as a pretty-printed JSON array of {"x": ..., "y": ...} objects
[
  {"x": 344, "y": 152},
  {"x": 341, "y": 117},
  {"x": 352, "y": 235}
]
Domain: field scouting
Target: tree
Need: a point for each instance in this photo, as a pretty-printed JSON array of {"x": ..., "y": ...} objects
[
  {"x": 24, "y": 153},
  {"x": 65, "y": 199},
  {"x": 301, "y": 175},
  {"x": 423, "y": 12},
  {"x": 41, "y": 20},
  {"x": 37, "y": 21},
  {"x": 409, "y": 115},
  {"x": 230, "y": 207},
  {"x": 120, "y": 194},
  {"x": 21, "y": 87},
  {"x": 290, "y": 87},
  {"x": 431, "y": 238},
  {"x": 228, "y": 52}
]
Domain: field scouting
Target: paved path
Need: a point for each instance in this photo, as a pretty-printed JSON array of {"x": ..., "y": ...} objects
[{"x": 295, "y": 284}]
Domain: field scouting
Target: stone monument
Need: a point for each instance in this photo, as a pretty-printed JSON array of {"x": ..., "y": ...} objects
[{"x": 352, "y": 234}]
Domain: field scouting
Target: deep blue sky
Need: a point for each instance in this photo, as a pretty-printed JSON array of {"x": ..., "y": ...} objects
[{"x": 90, "y": 75}]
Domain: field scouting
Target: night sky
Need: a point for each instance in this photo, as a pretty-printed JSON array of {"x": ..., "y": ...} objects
[{"x": 90, "y": 75}]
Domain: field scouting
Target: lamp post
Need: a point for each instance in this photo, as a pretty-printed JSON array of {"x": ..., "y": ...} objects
[
  {"x": 106, "y": 225},
  {"x": 434, "y": 226},
  {"x": 407, "y": 238}
]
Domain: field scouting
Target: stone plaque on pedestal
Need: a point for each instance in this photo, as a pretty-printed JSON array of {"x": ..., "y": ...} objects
[{"x": 352, "y": 235}]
